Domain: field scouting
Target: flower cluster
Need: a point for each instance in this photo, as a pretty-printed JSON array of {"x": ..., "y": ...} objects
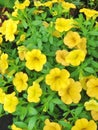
[{"x": 48, "y": 66}]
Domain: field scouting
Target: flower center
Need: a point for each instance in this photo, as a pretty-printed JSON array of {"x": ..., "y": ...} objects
[{"x": 36, "y": 59}]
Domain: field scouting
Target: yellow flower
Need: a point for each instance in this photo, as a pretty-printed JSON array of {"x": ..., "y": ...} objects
[
  {"x": 84, "y": 81},
  {"x": 22, "y": 50},
  {"x": 51, "y": 125},
  {"x": 37, "y": 12},
  {"x": 57, "y": 79},
  {"x": 14, "y": 127},
  {"x": 45, "y": 24},
  {"x": 56, "y": 34},
  {"x": 20, "y": 81},
  {"x": 84, "y": 124},
  {"x": 63, "y": 24},
  {"x": 35, "y": 60},
  {"x": 48, "y": 4},
  {"x": 15, "y": 13},
  {"x": 9, "y": 28},
  {"x": 72, "y": 39},
  {"x": 94, "y": 115},
  {"x": 22, "y": 38},
  {"x": 75, "y": 57},
  {"x": 10, "y": 102},
  {"x": 1, "y": 39},
  {"x": 37, "y": 3},
  {"x": 34, "y": 93},
  {"x": 89, "y": 12},
  {"x": 3, "y": 63},
  {"x": 82, "y": 44},
  {"x": 2, "y": 95},
  {"x": 92, "y": 88},
  {"x": 67, "y": 5},
  {"x": 91, "y": 105},
  {"x": 23, "y": 5},
  {"x": 71, "y": 93},
  {"x": 61, "y": 57}
]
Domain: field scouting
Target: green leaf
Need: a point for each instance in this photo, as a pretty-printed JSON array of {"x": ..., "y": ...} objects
[
  {"x": 1, "y": 108},
  {"x": 7, "y": 3},
  {"x": 32, "y": 111},
  {"x": 20, "y": 124},
  {"x": 23, "y": 112},
  {"x": 32, "y": 122},
  {"x": 57, "y": 101},
  {"x": 94, "y": 33},
  {"x": 78, "y": 110},
  {"x": 89, "y": 69},
  {"x": 65, "y": 124},
  {"x": 36, "y": 22}
]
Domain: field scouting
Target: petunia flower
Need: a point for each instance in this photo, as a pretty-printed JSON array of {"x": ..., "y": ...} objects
[
  {"x": 21, "y": 6},
  {"x": 51, "y": 125},
  {"x": 61, "y": 57},
  {"x": 72, "y": 39},
  {"x": 10, "y": 102},
  {"x": 71, "y": 93},
  {"x": 9, "y": 28},
  {"x": 63, "y": 24},
  {"x": 91, "y": 105},
  {"x": 84, "y": 124},
  {"x": 34, "y": 93},
  {"x": 75, "y": 57},
  {"x": 89, "y": 13},
  {"x": 92, "y": 88},
  {"x": 57, "y": 79},
  {"x": 20, "y": 81},
  {"x": 67, "y": 6},
  {"x": 3, "y": 63},
  {"x": 35, "y": 60}
]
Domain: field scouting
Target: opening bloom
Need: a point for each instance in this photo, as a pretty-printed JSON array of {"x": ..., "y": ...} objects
[
  {"x": 35, "y": 60},
  {"x": 67, "y": 6},
  {"x": 72, "y": 39},
  {"x": 75, "y": 57},
  {"x": 91, "y": 105},
  {"x": 84, "y": 124},
  {"x": 71, "y": 93},
  {"x": 57, "y": 79},
  {"x": 23, "y": 5},
  {"x": 20, "y": 81},
  {"x": 51, "y": 125},
  {"x": 10, "y": 102},
  {"x": 92, "y": 88},
  {"x": 9, "y": 28},
  {"x": 3, "y": 63},
  {"x": 63, "y": 24},
  {"x": 22, "y": 50},
  {"x": 61, "y": 57},
  {"x": 34, "y": 93},
  {"x": 89, "y": 12},
  {"x": 14, "y": 127}
]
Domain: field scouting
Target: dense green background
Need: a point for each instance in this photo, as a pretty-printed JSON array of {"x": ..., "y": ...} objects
[{"x": 7, "y": 3}]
